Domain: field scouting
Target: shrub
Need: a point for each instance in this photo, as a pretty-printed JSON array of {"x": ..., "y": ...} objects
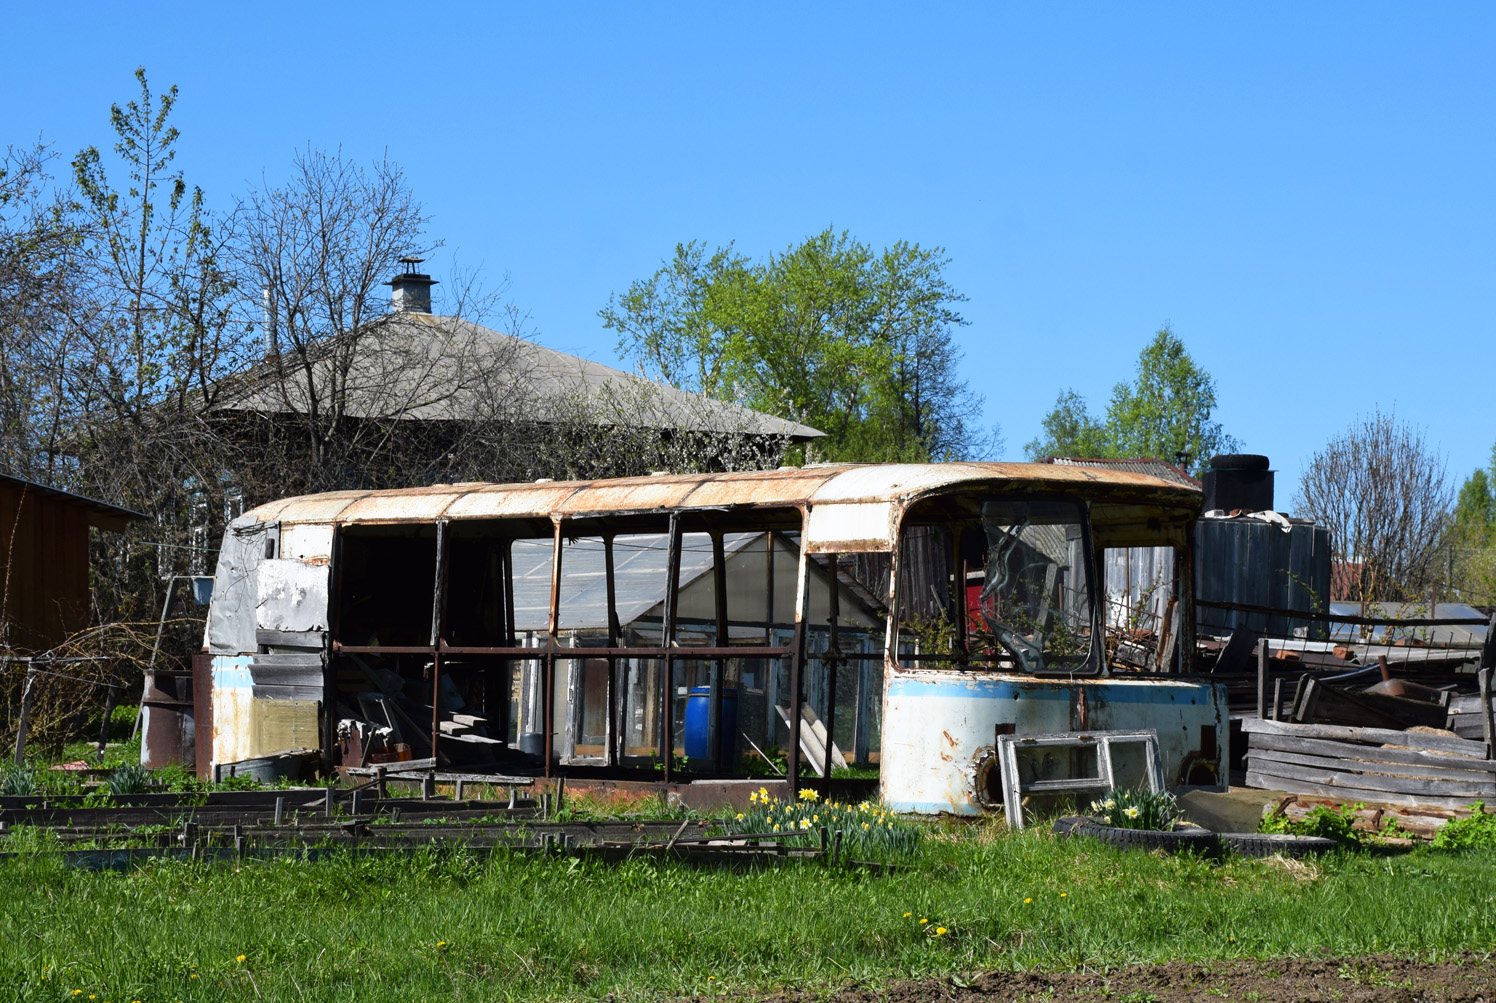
[
  {"x": 1476, "y": 832},
  {"x": 1322, "y": 820}
]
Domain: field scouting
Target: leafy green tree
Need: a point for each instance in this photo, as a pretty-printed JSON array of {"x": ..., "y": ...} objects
[
  {"x": 853, "y": 341},
  {"x": 1471, "y": 540},
  {"x": 1165, "y": 410}
]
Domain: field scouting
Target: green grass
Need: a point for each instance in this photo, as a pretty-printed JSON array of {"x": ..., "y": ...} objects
[{"x": 448, "y": 926}]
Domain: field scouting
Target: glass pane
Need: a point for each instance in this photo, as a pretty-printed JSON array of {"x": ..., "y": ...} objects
[{"x": 1033, "y": 604}]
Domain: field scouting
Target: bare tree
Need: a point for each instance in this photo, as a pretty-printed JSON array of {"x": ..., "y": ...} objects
[{"x": 1382, "y": 492}]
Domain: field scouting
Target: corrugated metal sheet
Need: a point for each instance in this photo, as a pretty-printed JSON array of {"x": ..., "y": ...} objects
[{"x": 1251, "y": 561}]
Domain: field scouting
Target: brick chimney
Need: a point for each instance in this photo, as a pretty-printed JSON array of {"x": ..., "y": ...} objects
[{"x": 411, "y": 289}]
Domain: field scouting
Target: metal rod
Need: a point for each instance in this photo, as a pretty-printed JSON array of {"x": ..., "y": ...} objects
[
  {"x": 438, "y": 609},
  {"x": 797, "y": 667},
  {"x": 714, "y": 731},
  {"x": 667, "y": 641},
  {"x": 1365, "y": 621},
  {"x": 548, "y": 674},
  {"x": 613, "y": 735},
  {"x": 833, "y": 650}
]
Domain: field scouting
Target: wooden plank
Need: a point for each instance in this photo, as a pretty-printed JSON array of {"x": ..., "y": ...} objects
[
  {"x": 1431, "y": 774},
  {"x": 1464, "y": 703},
  {"x": 1366, "y": 753},
  {"x": 1372, "y": 736},
  {"x": 1270, "y": 782},
  {"x": 1372, "y": 782}
]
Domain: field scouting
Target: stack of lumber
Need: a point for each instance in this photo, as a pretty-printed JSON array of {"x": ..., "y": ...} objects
[{"x": 1378, "y": 765}]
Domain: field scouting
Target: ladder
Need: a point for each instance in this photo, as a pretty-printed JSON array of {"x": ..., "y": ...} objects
[{"x": 1014, "y": 789}]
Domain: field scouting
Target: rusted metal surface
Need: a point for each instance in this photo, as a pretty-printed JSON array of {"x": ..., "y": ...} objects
[
  {"x": 168, "y": 734},
  {"x": 867, "y": 491}
]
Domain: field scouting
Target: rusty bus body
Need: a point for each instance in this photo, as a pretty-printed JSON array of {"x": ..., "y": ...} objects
[{"x": 982, "y": 579}]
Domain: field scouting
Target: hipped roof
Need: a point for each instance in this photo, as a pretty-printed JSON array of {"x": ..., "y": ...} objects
[{"x": 420, "y": 367}]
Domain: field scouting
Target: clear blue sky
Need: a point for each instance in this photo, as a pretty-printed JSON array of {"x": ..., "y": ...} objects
[{"x": 1303, "y": 191}]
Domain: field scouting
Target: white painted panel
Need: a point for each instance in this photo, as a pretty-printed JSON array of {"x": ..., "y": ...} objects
[
  {"x": 850, "y": 528},
  {"x": 306, "y": 542},
  {"x": 292, "y": 595}
]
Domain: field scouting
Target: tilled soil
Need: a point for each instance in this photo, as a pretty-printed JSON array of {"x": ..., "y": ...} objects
[{"x": 1467, "y": 978}]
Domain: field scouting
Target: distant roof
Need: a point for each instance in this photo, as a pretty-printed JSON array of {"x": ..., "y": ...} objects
[
  {"x": 110, "y": 513},
  {"x": 1452, "y": 634},
  {"x": 417, "y": 366},
  {"x": 1151, "y": 466}
]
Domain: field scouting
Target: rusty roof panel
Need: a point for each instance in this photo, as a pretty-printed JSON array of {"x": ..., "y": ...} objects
[
  {"x": 308, "y": 508},
  {"x": 513, "y": 501},
  {"x": 411, "y": 505},
  {"x": 809, "y": 486}
]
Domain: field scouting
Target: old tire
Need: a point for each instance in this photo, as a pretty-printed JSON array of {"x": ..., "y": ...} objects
[
  {"x": 1065, "y": 826},
  {"x": 1198, "y": 841},
  {"x": 1266, "y": 844}
]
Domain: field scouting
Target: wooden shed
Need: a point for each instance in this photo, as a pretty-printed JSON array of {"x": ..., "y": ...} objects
[{"x": 44, "y": 561}]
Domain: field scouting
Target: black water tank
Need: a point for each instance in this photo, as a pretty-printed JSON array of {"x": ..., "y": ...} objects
[{"x": 1238, "y": 481}]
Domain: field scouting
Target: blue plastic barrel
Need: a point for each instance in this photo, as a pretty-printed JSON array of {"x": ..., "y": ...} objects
[{"x": 698, "y": 713}]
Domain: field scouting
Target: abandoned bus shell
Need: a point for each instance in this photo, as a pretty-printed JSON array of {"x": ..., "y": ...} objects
[{"x": 909, "y": 613}]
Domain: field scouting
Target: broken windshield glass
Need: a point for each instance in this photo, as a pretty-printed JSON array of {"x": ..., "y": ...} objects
[{"x": 1032, "y": 606}]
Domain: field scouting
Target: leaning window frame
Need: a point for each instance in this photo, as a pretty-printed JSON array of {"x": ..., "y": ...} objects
[{"x": 1094, "y": 663}]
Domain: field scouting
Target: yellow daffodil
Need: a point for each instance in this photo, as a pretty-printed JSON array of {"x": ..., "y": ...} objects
[
  {"x": 809, "y": 795},
  {"x": 1131, "y": 812}
]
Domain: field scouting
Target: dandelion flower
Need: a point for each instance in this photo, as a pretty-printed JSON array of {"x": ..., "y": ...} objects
[
  {"x": 908, "y": 914},
  {"x": 940, "y": 931},
  {"x": 1063, "y": 894},
  {"x": 923, "y": 921},
  {"x": 1027, "y": 901},
  {"x": 240, "y": 959}
]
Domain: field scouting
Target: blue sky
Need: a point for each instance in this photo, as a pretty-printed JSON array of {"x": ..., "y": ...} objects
[{"x": 1304, "y": 192}]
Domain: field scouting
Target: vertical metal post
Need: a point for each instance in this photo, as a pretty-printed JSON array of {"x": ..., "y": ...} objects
[
  {"x": 1185, "y": 636},
  {"x": 329, "y": 667},
  {"x": 1262, "y": 654},
  {"x": 716, "y": 739},
  {"x": 797, "y": 669},
  {"x": 614, "y": 729},
  {"x": 509, "y": 637},
  {"x": 438, "y": 610},
  {"x": 957, "y": 595},
  {"x": 832, "y": 661},
  {"x": 109, "y": 702},
  {"x": 771, "y": 665},
  {"x": 28, "y": 697},
  {"x": 553, "y": 627},
  {"x": 667, "y": 642}
]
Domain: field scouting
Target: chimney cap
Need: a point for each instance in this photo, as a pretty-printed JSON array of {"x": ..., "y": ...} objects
[{"x": 411, "y": 289}]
